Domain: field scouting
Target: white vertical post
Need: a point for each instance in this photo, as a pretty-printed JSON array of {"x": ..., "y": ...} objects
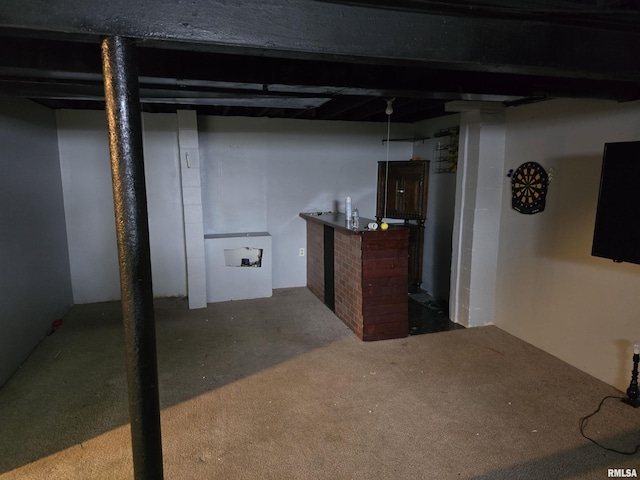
[
  {"x": 479, "y": 189},
  {"x": 192, "y": 208}
]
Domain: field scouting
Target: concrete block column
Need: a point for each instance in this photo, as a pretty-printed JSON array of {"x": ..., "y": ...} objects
[
  {"x": 479, "y": 190},
  {"x": 192, "y": 208}
]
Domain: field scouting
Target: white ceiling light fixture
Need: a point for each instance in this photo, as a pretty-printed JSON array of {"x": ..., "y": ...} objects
[{"x": 389, "y": 109}]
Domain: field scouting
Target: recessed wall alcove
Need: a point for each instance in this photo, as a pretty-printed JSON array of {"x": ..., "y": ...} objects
[
  {"x": 227, "y": 277},
  {"x": 243, "y": 257}
]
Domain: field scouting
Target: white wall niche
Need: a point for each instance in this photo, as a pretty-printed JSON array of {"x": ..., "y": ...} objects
[
  {"x": 243, "y": 257},
  {"x": 226, "y": 278}
]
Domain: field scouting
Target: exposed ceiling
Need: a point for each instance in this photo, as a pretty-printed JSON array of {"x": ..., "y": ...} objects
[{"x": 325, "y": 60}]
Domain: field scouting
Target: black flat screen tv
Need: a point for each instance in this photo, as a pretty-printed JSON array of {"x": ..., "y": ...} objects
[{"x": 617, "y": 230}]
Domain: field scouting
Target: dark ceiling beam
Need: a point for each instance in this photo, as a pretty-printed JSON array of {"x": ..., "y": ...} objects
[
  {"x": 320, "y": 30},
  {"x": 369, "y": 111},
  {"x": 25, "y": 60},
  {"x": 340, "y": 105},
  {"x": 95, "y": 92},
  {"x": 409, "y": 111},
  {"x": 618, "y": 14}
]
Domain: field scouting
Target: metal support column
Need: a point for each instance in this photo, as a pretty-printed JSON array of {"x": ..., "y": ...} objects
[{"x": 127, "y": 169}]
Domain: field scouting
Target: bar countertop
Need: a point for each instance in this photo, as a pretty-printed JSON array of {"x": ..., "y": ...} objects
[{"x": 339, "y": 221}]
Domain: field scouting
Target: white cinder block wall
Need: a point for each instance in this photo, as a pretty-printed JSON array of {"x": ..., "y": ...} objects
[
  {"x": 35, "y": 284},
  {"x": 259, "y": 174},
  {"x": 88, "y": 202},
  {"x": 436, "y": 265},
  {"x": 256, "y": 175}
]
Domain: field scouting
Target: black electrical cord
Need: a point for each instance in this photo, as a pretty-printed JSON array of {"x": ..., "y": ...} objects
[{"x": 583, "y": 421}]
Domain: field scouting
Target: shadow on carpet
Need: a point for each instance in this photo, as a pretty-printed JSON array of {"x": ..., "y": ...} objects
[{"x": 428, "y": 315}]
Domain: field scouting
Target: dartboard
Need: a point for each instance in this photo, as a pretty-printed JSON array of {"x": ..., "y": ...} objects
[{"x": 529, "y": 188}]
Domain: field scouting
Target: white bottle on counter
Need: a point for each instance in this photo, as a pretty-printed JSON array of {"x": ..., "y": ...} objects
[{"x": 347, "y": 208}]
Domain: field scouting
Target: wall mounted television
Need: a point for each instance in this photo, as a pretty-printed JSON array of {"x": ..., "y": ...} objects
[{"x": 617, "y": 229}]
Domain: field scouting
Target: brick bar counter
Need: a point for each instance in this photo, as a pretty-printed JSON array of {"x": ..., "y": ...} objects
[{"x": 361, "y": 274}]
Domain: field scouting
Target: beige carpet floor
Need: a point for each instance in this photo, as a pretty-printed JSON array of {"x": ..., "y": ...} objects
[{"x": 279, "y": 388}]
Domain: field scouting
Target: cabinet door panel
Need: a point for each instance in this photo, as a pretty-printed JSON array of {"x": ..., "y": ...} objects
[
  {"x": 395, "y": 197},
  {"x": 390, "y": 192},
  {"x": 402, "y": 190},
  {"x": 412, "y": 193}
]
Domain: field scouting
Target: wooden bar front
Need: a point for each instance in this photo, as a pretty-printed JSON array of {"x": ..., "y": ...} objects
[{"x": 369, "y": 281}]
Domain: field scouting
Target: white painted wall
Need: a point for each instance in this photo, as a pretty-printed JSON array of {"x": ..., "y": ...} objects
[
  {"x": 164, "y": 197},
  {"x": 88, "y": 203},
  {"x": 550, "y": 291},
  {"x": 35, "y": 284},
  {"x": 259, "y": 174},
  {"x": 436, "y": 265}
]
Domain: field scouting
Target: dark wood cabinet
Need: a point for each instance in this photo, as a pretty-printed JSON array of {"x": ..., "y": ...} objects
[
  {"x": 402, "y": 194},
  {"x": 402, "y": 189}
]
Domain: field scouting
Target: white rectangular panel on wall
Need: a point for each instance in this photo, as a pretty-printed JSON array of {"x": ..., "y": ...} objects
[{"x": 230, "y": 280}]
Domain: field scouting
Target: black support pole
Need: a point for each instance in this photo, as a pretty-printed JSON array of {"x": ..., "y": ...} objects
[{"x": 127, "y": 169}]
